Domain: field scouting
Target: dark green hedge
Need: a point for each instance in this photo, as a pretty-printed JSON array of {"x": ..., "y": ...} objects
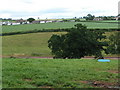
[{"x": 53, "y": 30}]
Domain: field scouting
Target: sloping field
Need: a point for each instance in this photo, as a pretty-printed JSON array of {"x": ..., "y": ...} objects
[
  {"x": 35, "y": 44},
  {"x": 29, "y": 27}
]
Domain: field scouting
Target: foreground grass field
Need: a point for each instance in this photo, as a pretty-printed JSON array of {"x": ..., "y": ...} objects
[
  {"x": 61, "y": 25},
  {"x": 57, "y": 73}
]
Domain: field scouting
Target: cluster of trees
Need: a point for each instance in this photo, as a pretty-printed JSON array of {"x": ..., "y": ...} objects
[
  {"x": 5, "y": 18},
  {"x": 77, "y": 43},
  {"x": 89, "y": 17},
  {"x": 30, "y": 19},
  {"x": 80, "y": 42},
  {"x": 108, "y": 17},
  {"x": 114, "y": 43}
]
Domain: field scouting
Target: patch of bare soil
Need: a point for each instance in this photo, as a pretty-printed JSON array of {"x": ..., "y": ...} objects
[
  {"x": 102, "y": 84},
  {"x": 113, "y": 71},
  {"x": 27, "y": 79},
  {"x": 85, "y": 82}
]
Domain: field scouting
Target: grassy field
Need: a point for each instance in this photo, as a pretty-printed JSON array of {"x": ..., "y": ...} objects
[
  {"x": 33, "y": 44},
  {"x": 27, "y": 44},
  {"x": 27, "y": 27},
  {"x": 56, "y": 73},
  {"x": 52, "y": 73},
  {"x": 110, "y": 21}
]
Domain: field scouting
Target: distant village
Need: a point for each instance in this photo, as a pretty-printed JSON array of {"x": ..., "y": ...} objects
[{"x": 11, "y": 21}]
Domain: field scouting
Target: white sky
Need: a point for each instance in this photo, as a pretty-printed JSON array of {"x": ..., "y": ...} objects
[{"x": 57, "y": 8}]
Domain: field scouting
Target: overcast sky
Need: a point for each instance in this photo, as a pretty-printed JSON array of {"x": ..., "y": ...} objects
[{"x": 57, "y": 8}]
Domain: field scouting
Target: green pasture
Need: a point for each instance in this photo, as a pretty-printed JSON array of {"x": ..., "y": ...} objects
[
  {"x": 57, "y": 25},
  {"x": 35, "y": 44},
  {"x": 113, "y": 21},
  {"x": 59, "y": 73}
]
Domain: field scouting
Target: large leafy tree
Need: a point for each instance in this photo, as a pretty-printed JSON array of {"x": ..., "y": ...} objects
[{"x": 77, "y": 43}]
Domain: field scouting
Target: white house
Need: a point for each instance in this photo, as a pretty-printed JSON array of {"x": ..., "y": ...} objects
[
  {"x": 7, "y": 23},
  {"x": 97, "y": 19}
]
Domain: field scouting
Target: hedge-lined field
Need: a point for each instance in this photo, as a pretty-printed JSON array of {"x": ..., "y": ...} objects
[
  {"x": 61, "y": 25},
  {"x": 59, "y": 73}
]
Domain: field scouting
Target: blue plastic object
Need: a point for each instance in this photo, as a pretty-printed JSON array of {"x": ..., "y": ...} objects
[{"x": 103, "y": 60}]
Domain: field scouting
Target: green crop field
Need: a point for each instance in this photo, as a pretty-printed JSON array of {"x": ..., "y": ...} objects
[
  {"x": 57, "y": 73},
  {"x": 28, "y": 27},
  {"x": 27, "y": 44}
]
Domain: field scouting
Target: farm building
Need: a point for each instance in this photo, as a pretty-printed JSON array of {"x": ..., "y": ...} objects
[
  {"x": 48, "y": 21},
  {"x": 72, "y": 20},
  {"x": 42, "y": 21},
  {"x": 59, "y": 21},
  {"x": 97, "y": 19},
  {"x": 54, "y": 21},
  {"x": 35, "y": 22},
  {"x": 7, "y": 23},
  {"x": 21, "y": 21}
]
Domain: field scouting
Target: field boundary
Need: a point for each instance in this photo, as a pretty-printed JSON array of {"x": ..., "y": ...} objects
[
  {"x": 86, "y": 57},
  {"x": 53, "y": 30}
]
